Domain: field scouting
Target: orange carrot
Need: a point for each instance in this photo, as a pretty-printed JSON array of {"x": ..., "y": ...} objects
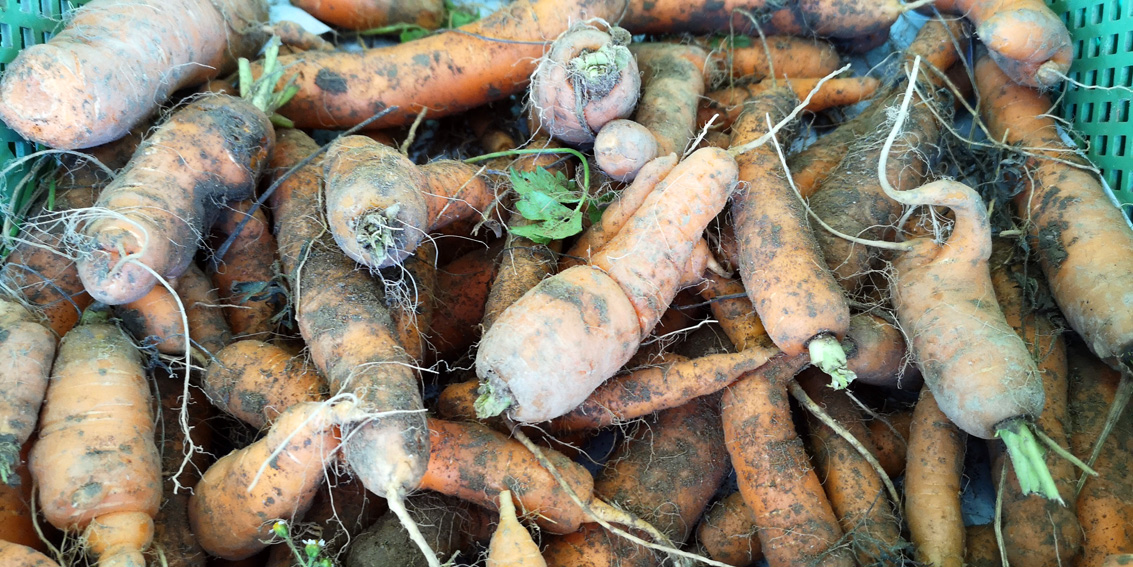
[
  {"x": 728, "y": 534},
  {"x": 86, "y": 86},
  {"x": 157, "y": 317},
  {"x": 980, "y": 548},
  {"x": 728, "y": 103},
  {"x": 789, "y": 56},
  {"x": 932, "y": 485},
  {"x": 246, "y": 275},
  {"x": 361, "y": 15},
  {"x": 672, "y": 84},
  {"x": 16, "y": 555},
  {"x": 27, "y": 350},
  {"x": 511, "y": 545},
  {"x": 731, "y": 307},
  {"x": 890, "y": 436},
  {"x": 414, "y": 300},
  {"x": 96, "y": 464},
  {"x": 623, "y": 147},
  {"x": 255, "y": 381},
  {"x": 463, "y": 287}
]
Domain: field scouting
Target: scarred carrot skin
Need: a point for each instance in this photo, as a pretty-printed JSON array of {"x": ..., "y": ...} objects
[{"x": 160, "y": 203}]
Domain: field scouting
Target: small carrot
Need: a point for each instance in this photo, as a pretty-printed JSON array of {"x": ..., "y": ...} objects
[
  {"x": 933, "y": 478},
  {"x": 728, "y": 534},
  {"x": 27, "y": 351},
  {"x": 511, "y": 545},
  {"x": 245, "y": 277},
  {"x": 623, "y": 147},
  {"x": 255, "y": 381},
  {"x": 727, "y": 104}
]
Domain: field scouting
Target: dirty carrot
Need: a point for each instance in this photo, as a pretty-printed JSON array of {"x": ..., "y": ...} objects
[
  {"x": 245, "y": 276},
  {"x": 27, "y": 351},
  {"x": 255, "y": 381}
]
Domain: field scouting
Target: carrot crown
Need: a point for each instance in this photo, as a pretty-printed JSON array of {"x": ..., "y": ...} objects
[{"x": 262, "y": 92}]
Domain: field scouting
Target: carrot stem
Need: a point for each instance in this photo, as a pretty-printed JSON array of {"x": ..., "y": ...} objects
[
  {"x": 827, "y": 354},
  {"x": 491, "y": 403},
  {"x": 1027, "y": 458}
]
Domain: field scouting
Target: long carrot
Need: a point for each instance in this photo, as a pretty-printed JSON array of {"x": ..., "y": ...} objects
[
  {"x": 932, "y": 485},
  {"x": 246, "y": 275},
  {"x": 362, "y": 15},
  {"x": 27, "y": 350},
  {"x": 255, "y": 381}
]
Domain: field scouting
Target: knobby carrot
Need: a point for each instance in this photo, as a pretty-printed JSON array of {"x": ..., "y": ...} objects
[
  {"x": 255, "y": 381},
  {"x": 27, "y": 351},
  {"x": 932, "y": 485}
]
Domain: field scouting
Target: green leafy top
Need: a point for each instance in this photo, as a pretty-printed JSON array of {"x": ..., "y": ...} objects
[
  {"x": 261, "y": 92},
  {"x": 543, "y": 199}
]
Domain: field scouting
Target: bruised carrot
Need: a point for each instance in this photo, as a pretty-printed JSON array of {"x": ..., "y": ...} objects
[
  {"x": 255, "y": 381},
  {"x": 932, "y": 485},
  {"x": 728, "y": 103},
  {"x": 604, "y": 309},
  {"x": 95, "y": 463},
  {"x": 728, "y": 534},
  {"x": 380, "y": 206},
  {"x": 362, "y": 15},
  {"x": 587, "y": 79},
  {"x": 672, "y": 84},
  {"x": 88, "y": 86},
  {"x": 797, "y": 299},
  {"x": 17, "y": 555},
  {"x": 246, "y": 275},
  {"x": 511, "y": 544},
  {"x": 234, "y": 505},
  {"x": 27, "y": 350}
]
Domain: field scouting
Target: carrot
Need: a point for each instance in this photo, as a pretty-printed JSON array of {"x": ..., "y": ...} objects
[
  {"x": 1104, "y": 509},
  {"x": 728, "y": 534},
  {"x": 854, "y": 488},
  {"x": 96, "y": 465},
  {"x": 86, "y": 86},
  {"x": 17, "y": 555},
  {"x": 17, "y": 522},
  {"x": 1070, "y": 220},
  {"x": 1118, "y": 559},
  {"x": 727, "y": 104},
  {"x": 890, "y": 436},
  {"x": 511, "y": 544},
  {"x": 1025, "y": 38},
  {"x": 672, "y": 84},
  {"x": 255, "y": 381},
  {"x": 1037, "y": 531},
  {"x": 980, "y": 548},
  {"x": 246, "y": 275},
  {"x": 827, "y": 18},
  {"x": 463, "y": 287},
  {"x": 342, "y": 316},
  {"x": 449, "y": 525},
  {"x": 157, "y": 316},
  {"x": 233, "y": 506},
  {"x": 380, "y": 206},
  {"x": 587, "y": 79},
  {"x": 796, "y": 522},
  {"x": 413, "y": 300},
  {"x": 798, "y": 300},
  {"x": 27, "y": 349},
  {"x": 623, "y": 147},
  {"x": 173, "y": 542},
  {"x": 932, "y": 485},
  {"x": 362, "y": 15},
  {"x": 297, "y": 38},
  {"x": 880, "y": 356},
  {"x": 731, "y": 307},
  {"x": 604, "y": 310},
  {"x": 788, "y": 56}
]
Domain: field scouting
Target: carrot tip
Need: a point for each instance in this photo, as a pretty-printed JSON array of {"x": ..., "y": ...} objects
[{"x": 828, "y": 355}]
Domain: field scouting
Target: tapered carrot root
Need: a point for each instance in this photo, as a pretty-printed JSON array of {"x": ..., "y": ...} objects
[
  {"x": 789, "y": 57},
  {"x": 587, "y": 79},
  {"x": 16, "y": 555},
  {"x": 246, "y": 275},
  {"x": 89, "y": 85},
  {"x": 380, "y": 205},
  {"x": 240, "y": 496},
  {"x": 728, "y": 533},
  {"x": 511, "y": 545},
  {"x": 95, "y": 463},
  {"x": 27, "y": 350},
  {"x": 366, "y": 14},
  {"x": 672, "y": 85},
  {"x": 255, "y": 381},
  {"x": 932, "y": 485},
  {"x": 727, "y": 104},
  {"x": 157, "y": 317},
  {"x": 156, "y": 209},
  {"x": 795, "y": 519}
]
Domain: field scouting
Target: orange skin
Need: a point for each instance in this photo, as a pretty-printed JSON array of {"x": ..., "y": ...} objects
[
  {"x": 156, "y": 317},
  {"x": 97, "y": 430},
  {"x": 980, "y": 547},
  {"x": 672, "y": 84},
  {"x": 499, "y": 463},
  {"x": 232, "y": 521},
  {"x": 892, "y": 446},
  {"x": 939, "y": 44},
  {"x": 832, "y": 18},
  {"x": 463, "y": 288},
  {"x": 159, "y": 205},
  {"x": 727, "y": 104},
  {"x": 728, "y": 534},
  {"x": 413, "y": 318},
  {"x": 1070, "y": 220},
  {"x": 352, "y": 343},
  {"x": 87, "y": 86},
  {"x": 789, "y": 56},
  {"x": 255, "y": 381},
  {"x": 522, "y": 264},
  {"x": 380, "y": 206},
  {"x": 736, "y": 315},
  {"x": 604, "y": 310},
  {"x": 27, "y": 350},
  {"x": 1025, "y": 38},
  {"x": 812, "y": 166},
  {"x": 1037, "y": 531},
  {"x": 780, "y": 264},
  {"x": 245, "y": 273},
  {"x": 571, "y": 97},
  {"x": 622, "y": 148},
  {"x": 932, "y": 485},
  {"x": 1105, "y": 504},
  {"x": 17, "y": 555},
  {"x": 17, "y": 523},
  {"x": 855, "y": 490},
  {"x": 796, "y": 522},
  {"x": 178, "y": 545},
  {"x": 511, "y": 544},
  {"x": 368, "y": 14}
]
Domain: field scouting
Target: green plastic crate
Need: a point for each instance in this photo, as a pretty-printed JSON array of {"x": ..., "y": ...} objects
[
  {"x": 1102, "y": 31},
  {"x": 23, "y": 23}
]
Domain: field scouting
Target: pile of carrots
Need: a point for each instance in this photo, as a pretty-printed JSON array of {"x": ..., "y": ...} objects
[{"x": 597, "y": 283}]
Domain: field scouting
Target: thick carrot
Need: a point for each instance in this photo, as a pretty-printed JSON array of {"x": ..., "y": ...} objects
[
  {"x": 362, "y": 15},
  {"x": 159, "y": 205},
  {"x": 157, "y": 317},
  {"x": 246, "y": 275},
  {"x": 603, "y": 310},
  {"x": 727, "y": 104},
  {"x": 116, "y": 61},
  {"x": 788, "y": 56},
  {"x": 932, "y": 485},
  {"x": 672, "y": 84},
  {"x": 17, "y": 555},
  {"x": 255, "y": 381},
  {"x": 728, "y": 534},
  {"x": 1084, "y": 245},
  {"x": 511, "y": 544},
  {"x": 238, "y": 498},
  {"x": 587, "y": 79},
  {"x": 801, "y": 305},
  {"x": 27, "y": 350},
  {"x": 380, "y": 205},
  {"x": 96, "y": 464},
  {"x": 890, "y": 436},
  {"x": 855, "y": 490},
  {"x": 795, "y": 519},
  {"x": 1025, "y": 38}
]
